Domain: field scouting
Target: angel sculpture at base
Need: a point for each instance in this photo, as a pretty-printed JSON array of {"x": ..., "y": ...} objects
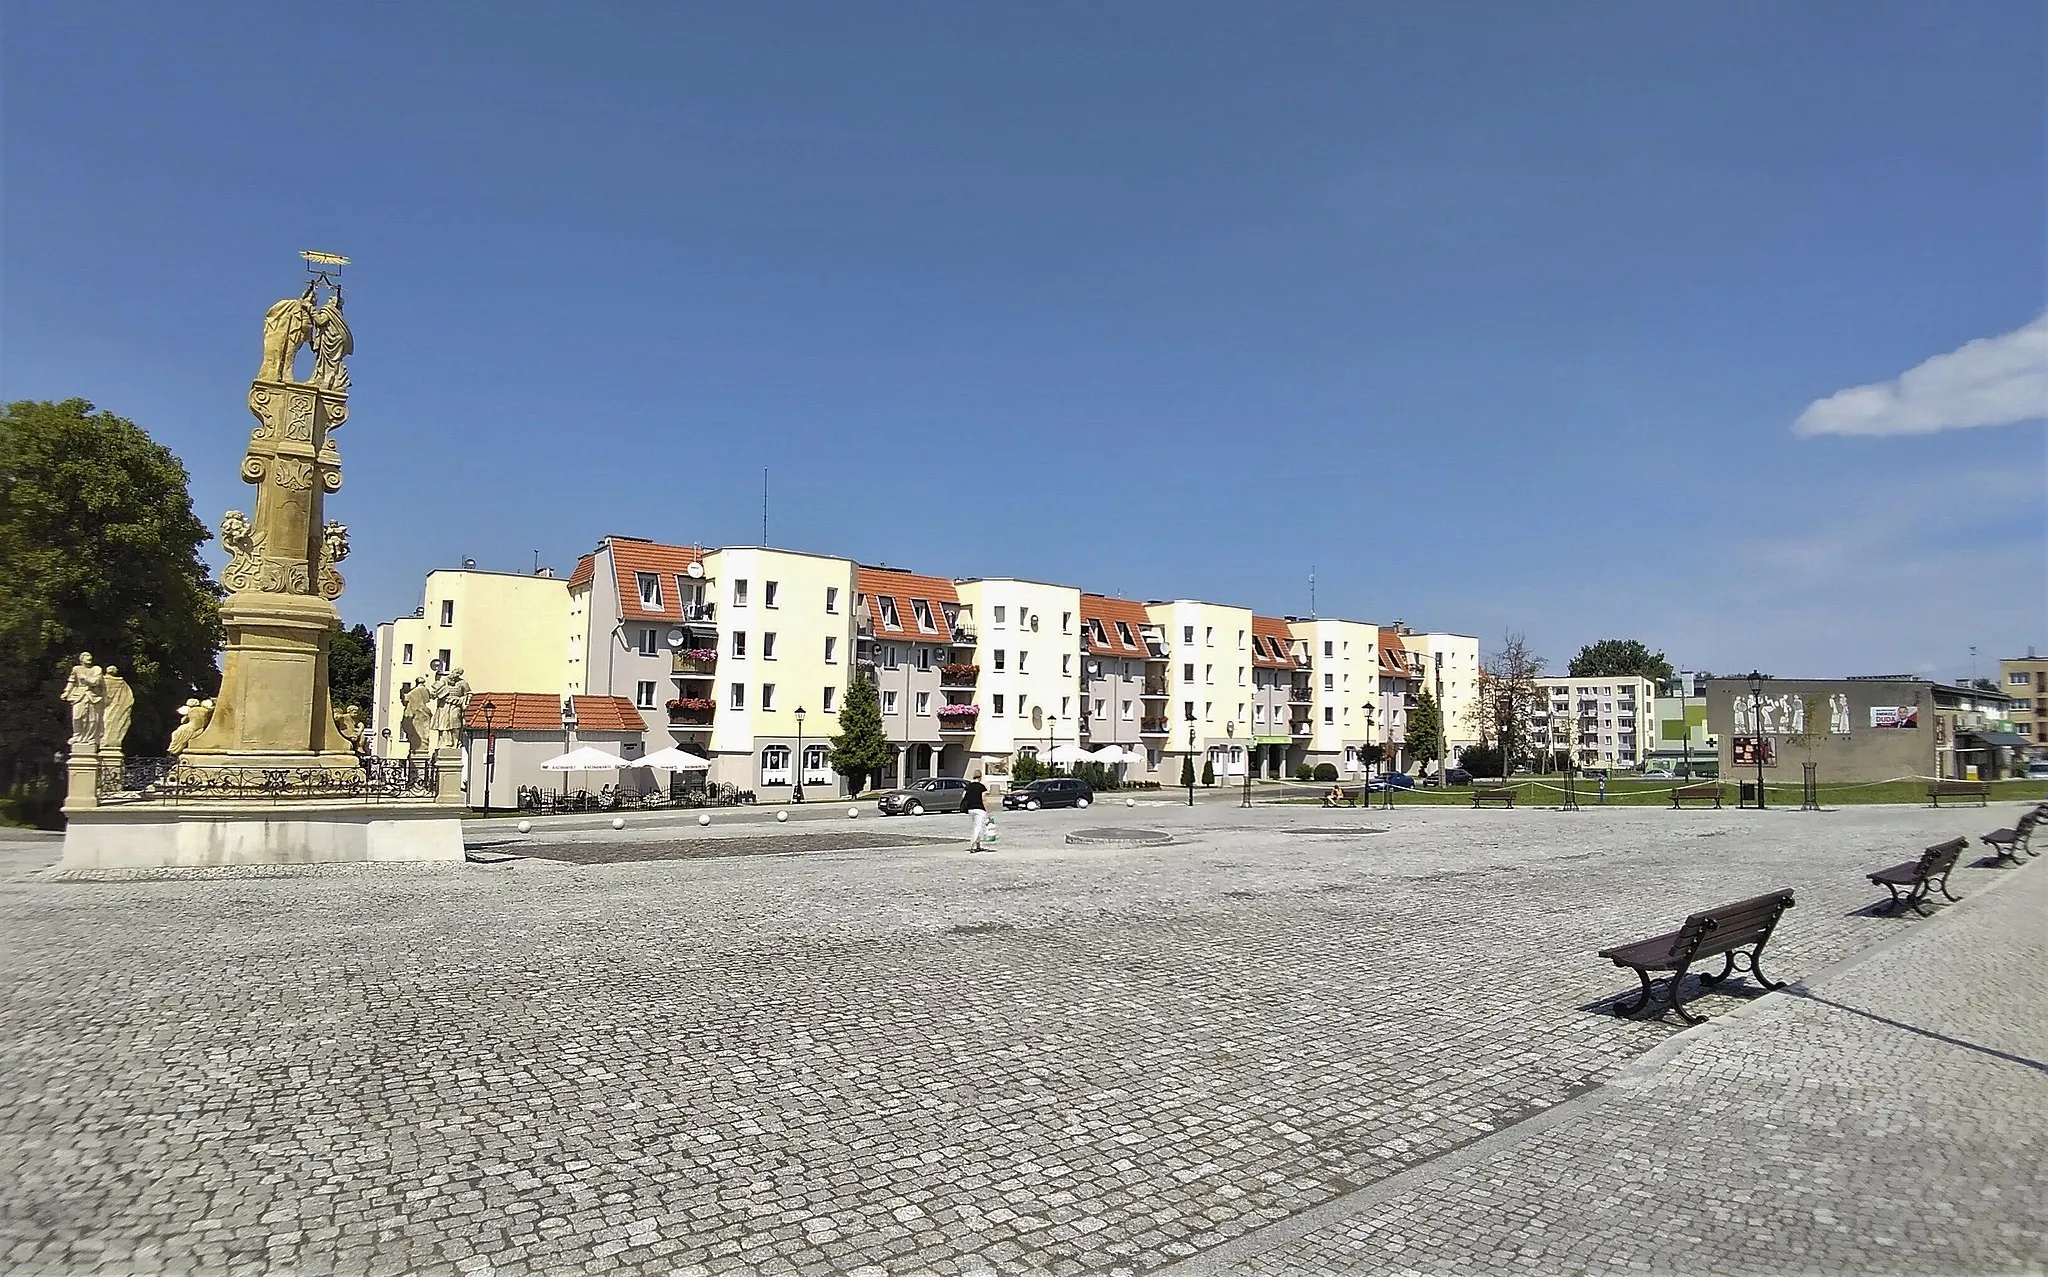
[{"x": 193, "y": 716}]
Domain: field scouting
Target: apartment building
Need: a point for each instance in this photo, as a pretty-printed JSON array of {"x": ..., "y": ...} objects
[
  {"x": 1030, "y": 683},
  {"x": 1123, "y": 682},
  {"x": 501, "y": 629},
  {"x": 787, "y": 619},
  {"x": 1281, "y": 729},
  {"x": 1209, "y": 684},
  {"x": 916, "y": 636},
  {"x": 1607, "y": 722},
  {"x": 1335, "y": 689},
  {"x": 2025, "y": 679},
  {"x": 1400, "y": 672},
  {"x": 1449, "y": 665}
]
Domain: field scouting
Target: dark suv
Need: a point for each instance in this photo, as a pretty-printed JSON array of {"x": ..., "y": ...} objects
[
  {"x": 933, "y": 793},
  {"x": 1053, "y": 791}
]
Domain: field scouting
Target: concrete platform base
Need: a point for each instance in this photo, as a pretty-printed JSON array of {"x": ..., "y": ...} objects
[{"x": 198, "y": 835}]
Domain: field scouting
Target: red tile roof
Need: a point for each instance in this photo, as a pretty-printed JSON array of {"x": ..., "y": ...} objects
[
  {"x": 586, "y": 569},
  {"x": 1393, "y": 656},
  {"x": 1274, "y": 630},
  {"x": 1100, "y": 608},
  {"x": 542, "y": 712},
  {"x": 874, "y": 583},
  {"x": 631, "y": 556}
]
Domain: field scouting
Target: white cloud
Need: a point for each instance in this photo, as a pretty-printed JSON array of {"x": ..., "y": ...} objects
[{"x": 1993, "y": 381}]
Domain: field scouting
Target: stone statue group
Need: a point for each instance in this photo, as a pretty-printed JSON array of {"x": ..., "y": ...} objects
[
  {"x": 435, "y": 710},
  {"x": 102, "y": 705}
]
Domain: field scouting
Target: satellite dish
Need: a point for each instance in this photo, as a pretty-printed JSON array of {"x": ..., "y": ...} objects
[
  {"x": 696, "y": 571},
  {"x": 1034, "y": 622},
  {"x": 675, "y": 638}
]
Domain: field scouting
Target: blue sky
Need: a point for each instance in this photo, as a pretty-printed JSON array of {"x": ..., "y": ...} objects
[{"x": 1500, "y": 315}]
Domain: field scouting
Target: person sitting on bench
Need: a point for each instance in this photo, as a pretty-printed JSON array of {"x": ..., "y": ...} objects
[{"x": 1335, "y": 798}]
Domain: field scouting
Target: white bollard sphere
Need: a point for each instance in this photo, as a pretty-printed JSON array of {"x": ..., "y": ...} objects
[
  {"x": 781, "y": 816},
  {"x": 618, "y": 822},
  {"x": 853, "y": 813},
  {"x": 703, "y": 820},
  {"x": 1130, "y": 802},
  {"x": 525, "y": 826}
]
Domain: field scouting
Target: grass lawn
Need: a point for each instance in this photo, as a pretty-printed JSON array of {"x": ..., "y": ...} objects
[{"x": 1548, "y": 791}]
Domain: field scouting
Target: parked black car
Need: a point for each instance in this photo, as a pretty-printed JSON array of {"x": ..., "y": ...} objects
[
  {"x": 1053, "y": 791},
  {"x": 933, "y": 793},
  {"x": 1457, "y": 776}
]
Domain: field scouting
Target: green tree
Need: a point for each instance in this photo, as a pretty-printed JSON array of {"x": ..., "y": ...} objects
[
  {"x": 1425, "y": 730},
  {"x": 861, "y": 749},
  {"x": 1621, "y": 658},
  {"x": 99, "y": 552},
  {"x": 1371, "y": 755},
  {"x": 1187, "y": 771},
  {"x": 1208, "y": 772},
  {"x": 351, "y": 667}
]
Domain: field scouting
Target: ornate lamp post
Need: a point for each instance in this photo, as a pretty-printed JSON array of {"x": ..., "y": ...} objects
[
  {"x": 1230, "y": 729},
  {"x": 1756, "y": 726},
  {"x": 1191, "y": 758},
  {"x": 796, "y": 795},
  {"x": 490, "y": 752}
]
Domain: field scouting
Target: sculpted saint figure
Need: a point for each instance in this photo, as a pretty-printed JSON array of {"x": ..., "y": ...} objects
[
  {"x": 118, "y": 710},
  {"x": 451, "y": 707},
  {"x": 349, "y": 722},
  {"x": 182, "y": 734},
  {"x": 419, "y": 717},
  {"x": 85, "y": 691},
  {"x": 285, "y": 328},
  {"x": 332, "y": 343}
]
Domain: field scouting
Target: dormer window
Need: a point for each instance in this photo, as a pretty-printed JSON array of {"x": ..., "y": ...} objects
[
  {"x": 922, "y": 610},
  {"x": 650, "y": 590},
  {"x": 889, "y": 616},
  {"x": 1123, "y": 633}
]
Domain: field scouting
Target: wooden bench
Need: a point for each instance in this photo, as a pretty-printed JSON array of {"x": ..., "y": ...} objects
[
  {"x": 1977, "y": 789},
  {"x": 1695, "y": 793},
  {"x": 1350, "y": 799},
  {"x": 1502, "y": 794},
  {"x": 1909, "y": 882},
  {"x": 2007, "y": 844},
  {"x": 1726, "y": 930}
]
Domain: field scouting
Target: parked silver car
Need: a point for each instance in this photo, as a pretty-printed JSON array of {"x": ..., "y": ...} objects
[{"x": 933, "y": 793}]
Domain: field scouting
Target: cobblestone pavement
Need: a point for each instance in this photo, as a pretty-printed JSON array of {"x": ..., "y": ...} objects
[{"x": 1051, "y": 1059}]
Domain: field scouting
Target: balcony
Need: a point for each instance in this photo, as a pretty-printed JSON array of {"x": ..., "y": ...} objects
[
  {"x": 1154, "y": 726},
  {"x": 694, "y": 662},
  {"x": 958, "y": 675},
  {"x": 958, "y": 718},
  {"x": 1155, "y": 688},
  {"x": 700, "y": 613},
  {"x": 1300, "y": 727},
  {"x": 963, "y": 636},
  {"x": 692, "y": 712},
  {"x": 1301, "y": 694}
]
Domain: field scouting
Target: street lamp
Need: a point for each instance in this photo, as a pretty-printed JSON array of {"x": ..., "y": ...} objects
[
  {"x": 1685, "y": 725},
  {"x": 1756, "y": 726},
  {"x": 490, "y": 752},
  {"x": 796, "y": 795},
  {"x": 1191, "y": 758}
]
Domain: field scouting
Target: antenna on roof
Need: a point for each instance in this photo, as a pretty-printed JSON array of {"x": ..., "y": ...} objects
[
  {"x": 764, "y": 505},
  {"x": 1311, "y": 591}
]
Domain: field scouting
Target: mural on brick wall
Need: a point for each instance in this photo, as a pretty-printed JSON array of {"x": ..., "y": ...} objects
[{"x": 1784, "y": 714}]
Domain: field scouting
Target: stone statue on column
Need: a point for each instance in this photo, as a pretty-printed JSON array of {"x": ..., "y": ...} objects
[
  {"x": 86, "y": 692},
  {"x": 451, "y": 710},
  {"x": 116, "y": 713}
]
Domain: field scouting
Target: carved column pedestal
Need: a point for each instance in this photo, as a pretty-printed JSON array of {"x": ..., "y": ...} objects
[
  {"x": 448, "y": 776},
  {"x": 273, "y": 709},
  {"x": 82, "y": 781}
]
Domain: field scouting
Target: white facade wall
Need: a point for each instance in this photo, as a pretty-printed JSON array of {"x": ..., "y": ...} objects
[
  {"x": 1450, "y": 668},
  {"x": 1343, "y": 681},
  {"x": 1036, "y": 628},
  {"x": 1612, "y": 722},
  {"x": 794, "y": 603},
  {"x": 1209, "y": 669}
]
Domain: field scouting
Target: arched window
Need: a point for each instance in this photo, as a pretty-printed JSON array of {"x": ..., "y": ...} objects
[
  {"x": 816, "y": 770},
  {"x": 775, "y": 765}
]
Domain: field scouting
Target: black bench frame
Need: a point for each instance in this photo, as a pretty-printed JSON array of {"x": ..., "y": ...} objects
[
  {"x": 1917, "y": 876},
  {"x": 1977, "y": 789},
  {"x": 1727, "y": 930},
  {"x": 1494, "y": 794},
  {"x": 2007, "y": 844},
  {"x": 1683, "y": 792}
]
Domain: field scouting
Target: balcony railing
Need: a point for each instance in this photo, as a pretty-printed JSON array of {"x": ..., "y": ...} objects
[
  {"x": 1154, "y": 726},
  {"x": 1300, "y": 693},
  {"x": 962, "y": 718},
  {"x": 964, "y": 636},
  {"x": 699, "y": 661},
  {"x": 1155, "y": 687},
  {"x": 1301, "y": 727},
  {"x": 700, "y": 613},
  {"x": 691, "y": 712},
  {"x": 959, "y": 675}
]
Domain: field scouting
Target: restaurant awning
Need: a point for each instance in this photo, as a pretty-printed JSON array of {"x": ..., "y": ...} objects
[{"x": 2005, "y": 740}]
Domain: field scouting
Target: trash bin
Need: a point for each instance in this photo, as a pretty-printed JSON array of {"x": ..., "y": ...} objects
[{"x": 1748, "y": 793}]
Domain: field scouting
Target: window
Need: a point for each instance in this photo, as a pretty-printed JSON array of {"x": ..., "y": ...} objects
[
  {"x": 1152, "y": 757},
  {"x": 1329, "y": 682},
  {"x": 1208, "y": 636},
  {"x": 889, "y": 616},
  {"x": 1240, "y": 676},
  {"x": 924, "y": 658},
  {"x": 890, "y": 657},
  {"x": 1208, "y": 673},
  {"x": 997, "y": 705},
  {"x": 1258, "y": 715},
  {"x": 1327, "y": 653},
  {"x": 1240, "y": 640},
  {"x": 832, "y": 599},
  {"x": 1127, "y": 711},
  {"x": 684, "y": 593},
  {"x": 643, "y": 695},
  {"x": 767, "y": 696},
  {"x": 739, "y": 696},
  {"x": 1066, "y": 662},
  {"x": 922, "y": 610},
  {"x": 816, "y": 765},
  {"x": 1187, "y": 634},
  {"x": 888, "y": 702},
  {"x": 1123, "y": 634},
  {"x": 1329, "y": 715},
  {"x": 1098, "y": 707},
  {"x": 447, "y": 611},
  {"x": 830, "y": 700},
  {"x": 1208, "y": 711},
  {"x": 1066, "y": 706},
  {"x": 443, "y": 661},
  {"x": 2018, "y": 678},
  {"x": 831, "y": 649},
  {"x": 739, "y": 644},
  {"x": 1021, "y": 654},
  {"x": 1096, "y": 637},
  {"x": 999, "y": 658},
  {"x": 1187, "y": 672},
  {"x": 1190, "y": 715},
  {"x": 407, "y": 658},
  {"x": 768, "y": 648},
  {"x": 775, "y": 765},
  {"x": 924, "y": 703},
  {"x": 996, "y": 614},
  {"x": 768, "y": 590},
  {"x": 739, "y": 592},
  {"x": 650, "y": 590},
  {"x": 1066, "y": 622},
  {"x": 644, "y": 639}
]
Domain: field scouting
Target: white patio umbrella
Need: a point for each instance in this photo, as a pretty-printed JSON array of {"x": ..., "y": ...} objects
[
  {"x": 676, "y": 760},
  {"x": 584, "y": 758},
  {"x": 1069, "y": 754},
  {"x": 1112, "y": 754}
]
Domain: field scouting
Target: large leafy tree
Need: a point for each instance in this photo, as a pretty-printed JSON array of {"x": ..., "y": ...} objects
[
  {"x": 1508, "y": 697},
  {"x": 99, "y": 552},
  {"x": 1425, "y": 735},
  {"x": 861, "y": 749},
  {"x": 1621, "y": 658},
  {"x": 351, "y": 667}
]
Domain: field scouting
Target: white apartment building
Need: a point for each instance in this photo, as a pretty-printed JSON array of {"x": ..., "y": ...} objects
[
  {"x": 1450, "y": 669},
  {"x": 1209, "y": 684},
  {"x": 1030, "y": 678},
  {"x": 501, "y": 629},
  {"x": 1606, "y": 722},
  {"x": 1344, "y": 704}
]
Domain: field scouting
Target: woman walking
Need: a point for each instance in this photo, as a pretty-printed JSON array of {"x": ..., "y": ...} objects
[{"x": 976, "y": 807}]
